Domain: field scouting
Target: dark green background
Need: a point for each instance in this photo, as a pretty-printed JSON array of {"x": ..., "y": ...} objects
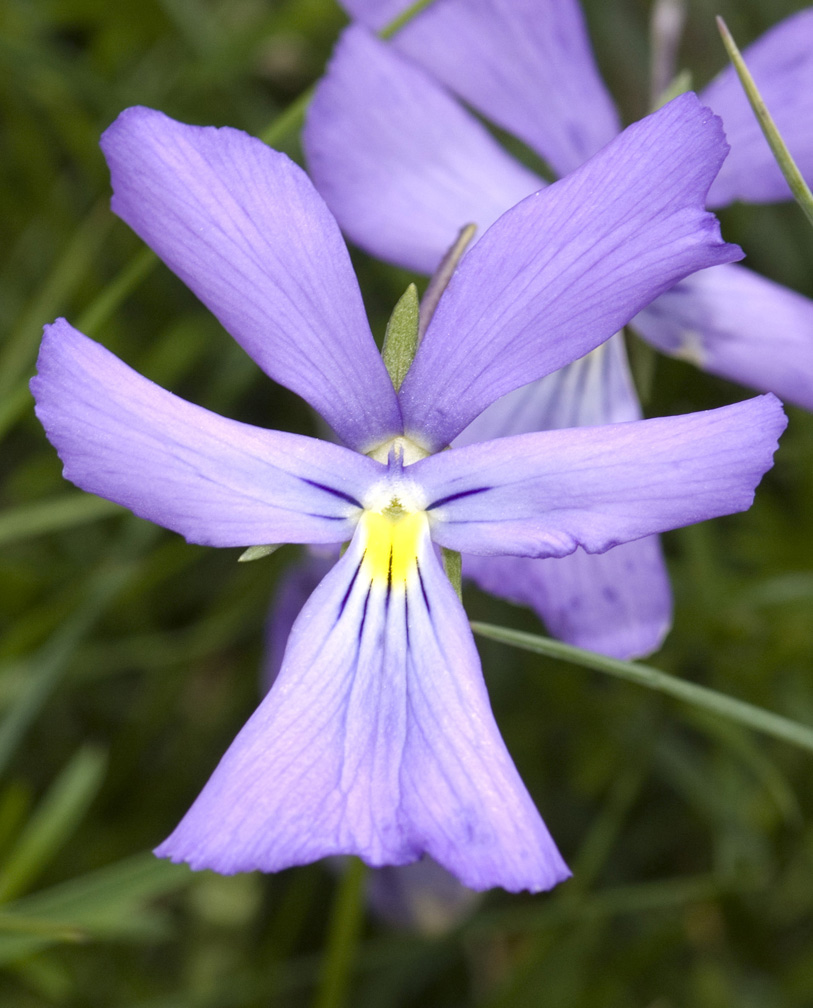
[{"x": 129, "y": 659}]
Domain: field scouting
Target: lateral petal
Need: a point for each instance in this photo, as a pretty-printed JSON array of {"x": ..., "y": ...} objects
[
  {"x": 619, "y": 602},
  {"x": 404, "y": 173},
  {"x": 377, "y": 739},
  {"x": 525, "y": 64},
  {"x": 563, "y": 270},
  {"x": 545, "y": 494},
  {"x": 216, "y": 481},
  {"x": 781, "y": 63},
  {"x": 737, "y": 324},
  {"x": 244, "y": 228}
]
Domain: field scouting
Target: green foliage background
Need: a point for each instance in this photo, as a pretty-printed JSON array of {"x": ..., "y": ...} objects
[{"x": 129, "y": 659}]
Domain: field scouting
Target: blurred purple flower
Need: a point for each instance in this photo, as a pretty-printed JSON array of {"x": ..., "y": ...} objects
[
  {"x": 403, "y": 166},
  {"x": 377, "y": 738}
]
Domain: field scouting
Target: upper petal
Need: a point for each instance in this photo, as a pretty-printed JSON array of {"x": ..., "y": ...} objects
[
  {"x": 377, "y": 739},
  {"x": 563, "y": 270},
  {"x": 735, "y": 323},
  {"x": 781, "y": 63},
  {"x": 525, "y": 64},
  {"x": 545, "y": 494},
  {"x": 245, "y": 229},
  {"x": 404, "y": 173},
  {"x": 216, "y": 481}
]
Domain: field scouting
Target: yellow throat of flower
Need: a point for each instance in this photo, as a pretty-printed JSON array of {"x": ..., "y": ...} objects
[{"x": 393, "y": 538}]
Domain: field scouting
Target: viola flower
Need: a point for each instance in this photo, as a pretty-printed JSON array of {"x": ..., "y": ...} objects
[
  {"x": 404, "y": 171},
  {"x": 377, "y": 738}
]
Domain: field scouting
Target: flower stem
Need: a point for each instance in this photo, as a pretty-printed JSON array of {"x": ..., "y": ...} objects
[{"x": 343, "y": 935}]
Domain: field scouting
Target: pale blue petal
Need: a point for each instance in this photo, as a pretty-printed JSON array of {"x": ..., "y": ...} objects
[
  {"x": 404, "y": 173},
  {"x": 244, "y": 228},
  {"x": 619, "y": 602},
  {"x": 563, "y": 270},
  {"x": 525, "y": 64},
  {"x": 377, "y": 739},
  {"x": 545, "y": 494},
  {"x": 737, "y": 324},
  {"x": 781, "y": 63},
  {"x": 216, "y": 481}
]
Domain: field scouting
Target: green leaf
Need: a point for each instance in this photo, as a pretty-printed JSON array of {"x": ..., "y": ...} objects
[
  {"x": 61, "y": 512},
  {"x": 105, "y": 904},
  {"x": 798, "y": 186},
  {"x": 644, "y": 675},
  {"x": 401, "y": 339},
  {"x": 60, "y": 811}
]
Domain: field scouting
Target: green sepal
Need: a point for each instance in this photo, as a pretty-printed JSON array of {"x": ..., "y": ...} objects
[
  {"x": 257, "y": 552},
  {"x": 798, "y": 186},
  {"x": 401, "y": 339},
  {"x": 453, "y": 565}
]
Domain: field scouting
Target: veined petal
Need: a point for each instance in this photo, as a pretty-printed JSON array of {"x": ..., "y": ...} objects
[
  {"x": 618, "y": 603},
  {"x": 596, "y": 389},
  {"x": 595, "y": 487},
  {"x": 377, "y": 738},
  {"x": 293, "y": 589},
  {"x": 525, "y": 64},
  {"x": 563, "y": 270},
  {"x": 404, "y": 173},
  {"x": 781, "y": 63},
  {"x": 244, "y": 228},
  {"x": 737, "y": 324},
  {"x": 216, "y": 481}
]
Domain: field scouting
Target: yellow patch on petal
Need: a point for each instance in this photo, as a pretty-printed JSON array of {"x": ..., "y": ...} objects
[{"x": 392, "y": 541}]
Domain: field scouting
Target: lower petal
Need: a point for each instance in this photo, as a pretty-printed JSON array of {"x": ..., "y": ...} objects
[
  {"x": 377, "y": 739},
  {"x": 617, "y": 603}
]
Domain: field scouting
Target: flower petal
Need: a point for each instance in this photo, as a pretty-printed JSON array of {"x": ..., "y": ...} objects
[
  {"x": 377, "y": 739},
  {"x": 216, "y": 481},
  {"x": 525, "y": 64},
  {"x": 244, "y": 228},
  {"x": 563, "y": 270},
  {"x": 618, "y": 603},
  {"x": 781, "y": 63},
  {"x": 404, "y": 173},
  {"x": 735, "y": 323},
  {"x": 545, "y": 494},
  {"x": 594, "y": 390}
]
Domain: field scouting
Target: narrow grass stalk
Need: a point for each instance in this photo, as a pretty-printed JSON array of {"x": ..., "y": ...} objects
[
  {"x": 758, "y": 718},
  {"x": 798, "y": 186},
  {"x": 342, "y": 939}
]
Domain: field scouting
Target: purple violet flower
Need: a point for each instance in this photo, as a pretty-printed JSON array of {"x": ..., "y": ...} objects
[
  {"x": 404, "y": 169},
  {"x": 377, "y": 738}
]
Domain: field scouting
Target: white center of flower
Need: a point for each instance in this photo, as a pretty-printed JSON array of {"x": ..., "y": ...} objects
[{"x": 409, "y": 450}]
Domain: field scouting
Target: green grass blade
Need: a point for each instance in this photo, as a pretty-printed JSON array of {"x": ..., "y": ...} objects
[
  {"x": 798, "y": 186},
  {"x": 754, "y": 717},
  {"x": 60, "y": 811}
]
